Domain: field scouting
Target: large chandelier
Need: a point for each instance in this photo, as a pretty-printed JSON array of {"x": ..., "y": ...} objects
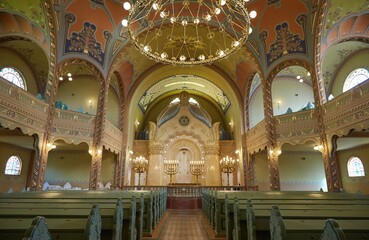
[{"x": 187, "y": 32}]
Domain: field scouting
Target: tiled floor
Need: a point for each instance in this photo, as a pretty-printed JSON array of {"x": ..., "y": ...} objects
[{"x": 183, "y": 225}]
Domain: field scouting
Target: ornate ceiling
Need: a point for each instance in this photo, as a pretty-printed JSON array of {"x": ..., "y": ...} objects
[{"x": 91, "y": 30}]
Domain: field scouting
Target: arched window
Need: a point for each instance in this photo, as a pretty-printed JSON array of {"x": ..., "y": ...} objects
[
  {"x": 13, "y": 76},
  {"x": 355, "y": 167},
  {"x": 13, "y": 166},
  {"x": 355, "y": 78}
]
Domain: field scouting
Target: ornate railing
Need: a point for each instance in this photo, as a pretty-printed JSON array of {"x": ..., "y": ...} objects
[
  {"x": 256, "y": 137},
  {"x": 112, "y": 137}
]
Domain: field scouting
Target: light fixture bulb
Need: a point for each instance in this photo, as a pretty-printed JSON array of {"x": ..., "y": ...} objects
[
  {"x": 298, "y": 76},
  {"x": 61, "y": 78},
  {"x": 253, "y": 14},
  {"x": 250, "y": 30},
  {"x": 301, "y": 80},
  {"x": 70, "y": 78},
  {"x": 155, "y": 6},
  {"x": 217, "y": 11},
  {"x": 69, "y": 74},
  {"x": 127, "y": 6},
  {"x": 196, "y": 21},
  {"x": 223, "y": 2},
  {"x": 125, "y": 22},
  {"x": 182, "y": 58}
]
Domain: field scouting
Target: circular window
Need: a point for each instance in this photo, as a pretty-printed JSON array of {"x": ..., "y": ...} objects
[{"x": 184, "y": 120}]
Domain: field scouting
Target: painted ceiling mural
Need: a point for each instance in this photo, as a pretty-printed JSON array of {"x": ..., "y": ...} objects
[
  {"x": 33, "y": 10},
  {"x": 340, "y": 9}
]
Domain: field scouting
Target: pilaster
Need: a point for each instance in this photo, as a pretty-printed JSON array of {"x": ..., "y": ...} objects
[
  {"x": 155, "y": 171},
  {"x": 212, "y": 167}
]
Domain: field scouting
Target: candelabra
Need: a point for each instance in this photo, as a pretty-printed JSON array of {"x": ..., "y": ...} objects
[
  {"x": 228, "y": 165},
  {"x": 197, "y": 168},
  {"x": 139, "y": 165},
  {"x": 171, "y": 168}
]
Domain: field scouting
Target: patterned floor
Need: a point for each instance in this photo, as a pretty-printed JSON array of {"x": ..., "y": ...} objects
[{"x": 184, "y": 225}]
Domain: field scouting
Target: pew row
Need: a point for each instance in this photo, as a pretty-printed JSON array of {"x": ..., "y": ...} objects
[
  {"x": 305, "y": 228},
  {"x": 220, "y": 214},
  {"x": 150, "y": 207}
]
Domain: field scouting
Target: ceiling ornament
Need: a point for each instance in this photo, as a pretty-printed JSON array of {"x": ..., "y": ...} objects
[{"x": 187, "y": 32}]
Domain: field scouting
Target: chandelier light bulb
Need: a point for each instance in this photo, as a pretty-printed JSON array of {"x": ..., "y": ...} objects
[
  {"x": 217, "y": 11},
  {"x": 301, "y": 80},
  {"x": 236, "y": 43},
  {"x": 182, "y": 58},
  {"x": 223, "y": 2},
  {"x": 70, "y": 78},
  {"x": 208, "y": 17},
  {"x": 164, "y": 55},
  {"x": 250, "y": 30},
  {"x": 173, "y": 19},
  {"x": 201, "y": 57},
  {"x": 196, "y": 21},
  {"x": 298, "y": 76},
  {"x": 127, "y": 6},
  {"x": 253, "y": 14},
  {"x": 61, "y": 78},
  {"x": 125, "y": 22},
  {"x": 163, "y": 14},
  {"x": 184, "y": 22},
  {"x": 69, "y": 74},
  {"x": 155, "y": 6},
  {"x": 147, "y": 48}
]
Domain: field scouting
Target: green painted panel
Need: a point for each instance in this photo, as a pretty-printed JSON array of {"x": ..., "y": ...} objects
[
  {"x": 33, "y": 10},
  {"x": 338, "y": 9}
]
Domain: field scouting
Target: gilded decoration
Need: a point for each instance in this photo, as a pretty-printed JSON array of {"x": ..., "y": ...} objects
[
  {"x": 85, "y": 42},
  {"x": 286, "y": 43}
]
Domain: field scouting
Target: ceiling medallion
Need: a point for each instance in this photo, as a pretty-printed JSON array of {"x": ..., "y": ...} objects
[
  {"x": 187, "y": 32},
  {"x": 184, "y": 121}
]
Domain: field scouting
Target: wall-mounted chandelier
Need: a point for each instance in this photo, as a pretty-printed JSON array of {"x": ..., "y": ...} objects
[{"x": 187, "y": 32}]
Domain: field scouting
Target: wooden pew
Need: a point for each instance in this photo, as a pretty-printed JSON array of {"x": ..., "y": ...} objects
[
  {"x": 74, "y": 213},
  {"x": 150, "y": 212},
  {"x": 220, "y": 218},
  {"x": 73, "y": 228},
  {"x": 305, "y": 228}
]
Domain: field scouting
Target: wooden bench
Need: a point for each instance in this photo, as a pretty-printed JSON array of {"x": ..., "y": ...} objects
[
  {"x": 306, "y": 229},
  {"x": 31, "y": 206},
  {"x": 246, "y": 215},
  {"x": 220, "y": 214},
  {"x": 154, "y": 201},
  {"x": 75, "y": 228}
]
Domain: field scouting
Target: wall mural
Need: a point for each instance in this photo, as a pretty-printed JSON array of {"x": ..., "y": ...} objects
[
  {"x": 184, "y": 82},
  {"x": 285, "y": 43},
  {"x": 85, "y": 42}
]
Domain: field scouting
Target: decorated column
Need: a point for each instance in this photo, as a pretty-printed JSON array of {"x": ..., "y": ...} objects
[
  {"x": 155, "y": 173},
  {"x": 212, "y": 167}
]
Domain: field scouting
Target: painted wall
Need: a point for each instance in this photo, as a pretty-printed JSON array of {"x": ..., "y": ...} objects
[
  {"x": 68, "y": 166},
  {"x": 354, "y": 184},
  {"x": 11, "y": 59},
  {"x": 302, "y": 171},
  {"x": 107, "y": 167},
  {"x": 256, "y": 109},
  {"x": 357, "y": 60},
  {"x": 295, "y": 96},
  {"x": 17, "y": 183},
  {"x": 261, "y": 171},
  {"x": 112, "y": 111},
  {"x": 78, "y": 93}
]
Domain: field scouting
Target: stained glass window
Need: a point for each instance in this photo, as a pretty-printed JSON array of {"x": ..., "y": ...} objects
[
  {"x": 355, "y": 77},
  {"x": 355, "y": 167},
  {"x": 13, "y": 76},
  {"x": 13, "y": 166}
]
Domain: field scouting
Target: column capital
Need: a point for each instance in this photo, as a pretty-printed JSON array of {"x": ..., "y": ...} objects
[
  {"x": 212, "y": 149},
  {"x": 156, "y": 148}
]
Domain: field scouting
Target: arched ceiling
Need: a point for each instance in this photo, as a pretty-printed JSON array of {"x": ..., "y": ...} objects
[
  {"x": 91, "y": 30},
  {"x": 184, "y": 83}
]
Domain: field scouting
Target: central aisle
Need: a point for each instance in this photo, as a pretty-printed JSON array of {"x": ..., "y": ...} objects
[{"x": 183, "y": 225}]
